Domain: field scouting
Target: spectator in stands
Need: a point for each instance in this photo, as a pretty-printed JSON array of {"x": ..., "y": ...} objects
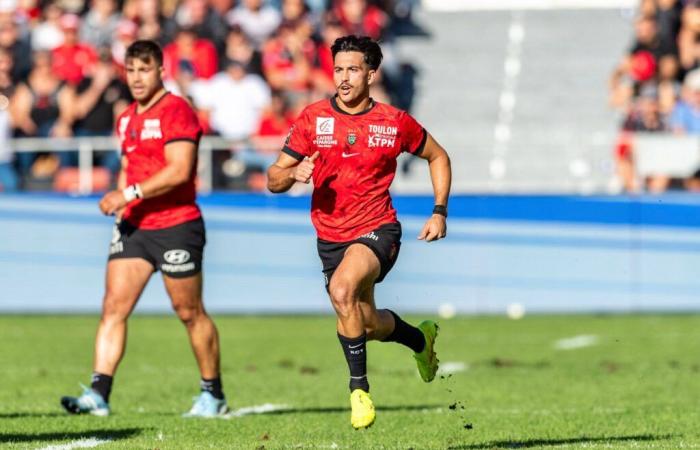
[
  {"x": 360, "y": 18},
  {"x": 101, "y": 97},
  {"x": 198, "y": 16},
  {"x": 669, "y": 85},
  {"x": 18, "y": 47},
  {"x": 233, "y": 100},
  {"x": 239, "y": 48},
  {"x": 42, "y": 108},
  {"x": 685, "y": 118},
  {"x": 667, "y": 14},
  {"x": 124, "y": 36},
  {"x": 689, "y": 36},
  {"x": 288, "y": 59},
  {"x": 644, "y": 116},
  {"x": 331, "y": 30},
  {"x": 47, "y": 35},
  {"x": 72, "y": 59},
  {"x": 154, "y": 24},
  {"x": 295, "y": 11},
  {"x": 257, "y": 20},
  {"x": 270, "y": 135},
  {"x": 189, "y": 55},
  {"x": 222, "y": 7},
  {"x": 100, "y": 23},
  {"x": 641, "y": 62},
  {"x": 8, "y": 177}
]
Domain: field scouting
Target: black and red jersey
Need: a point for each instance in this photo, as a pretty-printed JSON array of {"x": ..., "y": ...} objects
[{"x": 356, "y": 165}]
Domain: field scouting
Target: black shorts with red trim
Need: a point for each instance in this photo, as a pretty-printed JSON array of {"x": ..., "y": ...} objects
[
  {"x": 176, "y": 251},
  {"x": 385, "y": 242}
]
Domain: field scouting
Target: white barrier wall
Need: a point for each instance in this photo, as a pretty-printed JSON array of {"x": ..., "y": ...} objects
[{"x": 53, "y": 253}]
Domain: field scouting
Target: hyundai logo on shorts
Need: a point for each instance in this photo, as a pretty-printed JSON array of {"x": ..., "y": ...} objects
[{"x": 177, "y": 256}]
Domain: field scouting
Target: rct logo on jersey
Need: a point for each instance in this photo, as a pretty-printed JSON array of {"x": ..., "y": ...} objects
[
  {"x": 324, "y": 125},
  {"x": 151, "y": 129},
  {"x": 177, "y": 256}
]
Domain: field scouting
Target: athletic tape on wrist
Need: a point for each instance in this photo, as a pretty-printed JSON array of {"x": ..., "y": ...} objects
[{"x": 132, "y": 192}]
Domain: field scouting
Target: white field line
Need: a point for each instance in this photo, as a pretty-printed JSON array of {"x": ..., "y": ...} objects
[
  {"x": 81, "y": 443},
  {"x": 501, "y": 5},
  {"x": 257, "y": 409},
  {"x": 572, "y": 343},
  {"x": 451, "y": 367}
]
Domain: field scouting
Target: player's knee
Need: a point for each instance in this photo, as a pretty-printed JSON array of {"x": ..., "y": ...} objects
[
  {"x": 114, "y": 308},
  {"x": 343, "y": 297},
  {"x": 187, "y": 314}
]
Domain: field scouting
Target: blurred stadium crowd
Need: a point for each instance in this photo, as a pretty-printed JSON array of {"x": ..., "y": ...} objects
[
  {"x": 247, "y": 66},
  {"x": 656, "y": 86}
]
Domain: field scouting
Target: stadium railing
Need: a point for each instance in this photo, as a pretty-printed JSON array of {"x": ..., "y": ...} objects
[{"x": 87, "y": 146}]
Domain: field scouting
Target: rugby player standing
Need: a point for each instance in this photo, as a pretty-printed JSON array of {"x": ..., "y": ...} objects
[
  {"x": 349, "y": 145},
  {"x": 159, "y": 227}
]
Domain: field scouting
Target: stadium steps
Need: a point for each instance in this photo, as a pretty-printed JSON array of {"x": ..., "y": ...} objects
[{"x": 562, "y": 130}]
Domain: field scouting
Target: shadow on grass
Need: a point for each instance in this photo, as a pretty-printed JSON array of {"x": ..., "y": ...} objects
[
  {"x": 22, "y": 415},
  {"x": 527, "y": 443},
  {"x": 339, "y": 409},
  {"x": 106, "y": 434}
]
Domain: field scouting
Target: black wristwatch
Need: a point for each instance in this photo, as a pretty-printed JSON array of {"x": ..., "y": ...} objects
[{"x": 440, "y": 209}]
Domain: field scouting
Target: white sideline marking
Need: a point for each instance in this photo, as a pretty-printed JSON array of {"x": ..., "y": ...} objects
[
  {"x": 451, "y": 367},
  {"x": 584, "y": 340},
  {"x": 257, "y": 409},
  {"x": 500, "y": 5},
  {"x": 81, "y": 443}
]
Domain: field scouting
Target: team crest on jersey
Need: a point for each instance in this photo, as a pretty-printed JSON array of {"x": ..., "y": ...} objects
[
  {"x": 151, "y": 129},
  {"x": 352, "y": 138},
  {"x": 325, "y": 125}
]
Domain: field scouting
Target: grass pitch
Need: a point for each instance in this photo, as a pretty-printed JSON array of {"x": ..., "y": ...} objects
[{"x": 623, "y": 382}]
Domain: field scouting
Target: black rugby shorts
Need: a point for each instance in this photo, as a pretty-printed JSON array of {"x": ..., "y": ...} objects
[
  {"x": 176, "y": 251},
  {"x": 385, "y": 242}
]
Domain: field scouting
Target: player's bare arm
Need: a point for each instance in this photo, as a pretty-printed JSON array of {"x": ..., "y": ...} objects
[
  {"x": 441, "y": 176},
  {"x": 180, "y": 157},
  {"x": 286, "y": 171}
]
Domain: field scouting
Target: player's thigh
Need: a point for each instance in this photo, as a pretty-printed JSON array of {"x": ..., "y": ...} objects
[
  {"x": 125, "y": 280},
  {"x": 358, "y": 269}
]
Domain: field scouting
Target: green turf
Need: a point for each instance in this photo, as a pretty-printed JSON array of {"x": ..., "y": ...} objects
[{"x": 638, "y": 387}]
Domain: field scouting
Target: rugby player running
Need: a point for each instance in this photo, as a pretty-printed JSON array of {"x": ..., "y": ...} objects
[
  {"x": 349, "y": 145},
  {"x": 159, "y": 227}
]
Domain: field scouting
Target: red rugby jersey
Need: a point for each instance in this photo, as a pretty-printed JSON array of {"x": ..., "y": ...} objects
[
  {"x": 143, "y": 137},
  {"x": 356, "y": 165}
]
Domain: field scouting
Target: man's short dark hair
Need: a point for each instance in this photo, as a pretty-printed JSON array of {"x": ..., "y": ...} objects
[
  {"x": 363, "y": 44},
  {"x": 145, "y": 50}
]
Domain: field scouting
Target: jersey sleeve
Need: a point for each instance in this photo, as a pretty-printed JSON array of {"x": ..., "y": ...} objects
[
  {"x": 297, "y": 144},
  {"x": 413, "y": 135},
  {"x": 180, "y": 123}
]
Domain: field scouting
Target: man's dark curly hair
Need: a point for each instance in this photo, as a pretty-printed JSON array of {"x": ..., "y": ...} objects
[
  {"x": 363, "y": 44},
  {"x": 145, "y": 51}
]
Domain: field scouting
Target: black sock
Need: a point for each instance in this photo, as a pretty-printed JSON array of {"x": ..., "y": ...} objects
[
  {"x": 406, "y": 334},
  {"x": 213, "y": 386},
  {"x": 356, "y": 355},
  {"x": 102, "y": 384}
]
